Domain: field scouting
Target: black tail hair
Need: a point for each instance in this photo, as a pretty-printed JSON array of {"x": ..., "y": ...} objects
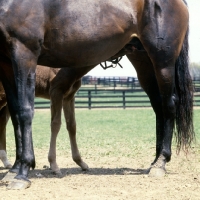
[{"x": 184, "y": 110}]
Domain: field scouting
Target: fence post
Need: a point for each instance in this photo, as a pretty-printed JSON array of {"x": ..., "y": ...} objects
[
  {"x": 95, "y": 88},
  {"x": 114, "y": 85},
  {"x": 124, "y": 100},
  {"x": 89, "y": 99}
]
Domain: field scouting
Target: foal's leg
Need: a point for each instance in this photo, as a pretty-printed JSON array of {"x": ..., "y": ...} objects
[
  {"x": 56, "y": 108},
  {"x": 65, "y": 84},
  {"x": 4, "y": 116},
  {"x": 68, "y": 107}
]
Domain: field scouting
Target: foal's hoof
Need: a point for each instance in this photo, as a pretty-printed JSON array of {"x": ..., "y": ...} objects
[
  {"x": 19, "y": 185},
  {"x": 84, "y": 166},
  {"x": 9, "y": 177},
  {"x": 57, "y": 173},
  {"x": 157, "y": 172}
]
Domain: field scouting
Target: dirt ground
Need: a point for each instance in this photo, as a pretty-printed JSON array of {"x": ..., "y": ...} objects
[{"x": 110, "y": 178}]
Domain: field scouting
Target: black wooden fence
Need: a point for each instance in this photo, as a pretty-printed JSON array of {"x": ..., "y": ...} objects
[{"x": 114, "y": 92}]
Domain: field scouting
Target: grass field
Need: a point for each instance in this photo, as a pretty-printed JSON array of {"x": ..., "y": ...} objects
[{"x": 115, "y": 132}]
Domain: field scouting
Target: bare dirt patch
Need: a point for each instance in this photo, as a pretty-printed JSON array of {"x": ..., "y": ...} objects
[{"x": 111, "y": 178}]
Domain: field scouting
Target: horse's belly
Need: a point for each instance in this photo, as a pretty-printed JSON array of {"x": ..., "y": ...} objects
[
  {"x": 80, "y": 53},
  {"x": 89, "y": 33},
  {"x": 84, "y": 47}
]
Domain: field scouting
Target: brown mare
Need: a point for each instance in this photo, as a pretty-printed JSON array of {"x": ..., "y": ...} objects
[
  {"x": 81, "y": 34},
  {"x": 50, "y": 84}
]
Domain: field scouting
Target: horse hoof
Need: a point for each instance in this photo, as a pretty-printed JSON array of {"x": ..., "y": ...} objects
[
  {"x": 84, "y": 167},
  {"x": 157, "y": 172},
  {"x": 9, "y": 177},
  {"x": 58, "y": 173},
  {"x": 19, "y": 185}
]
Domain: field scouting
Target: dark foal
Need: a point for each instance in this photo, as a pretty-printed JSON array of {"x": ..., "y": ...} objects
[{"x": 81, "y": 34}]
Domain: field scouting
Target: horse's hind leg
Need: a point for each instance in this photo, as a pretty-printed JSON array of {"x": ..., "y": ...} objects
[
  {"x": 148, "y": 82},
  {"x": 163, "y": 45},
  {"x": 4, "y": 116},
  {"x": 68, "y": 107}
]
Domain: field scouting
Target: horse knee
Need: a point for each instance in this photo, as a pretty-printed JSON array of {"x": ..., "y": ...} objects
[
  {"x": 55, "y": 125},
  {"x": 26, "y": 115},
  {"x": 71, "y": 126}
]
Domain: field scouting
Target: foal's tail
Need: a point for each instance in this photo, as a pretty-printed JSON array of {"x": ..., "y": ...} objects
[{"x": 184, "y": 108}]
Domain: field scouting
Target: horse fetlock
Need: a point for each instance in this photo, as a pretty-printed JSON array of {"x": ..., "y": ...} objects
[
  {"x": 54, "y": 167},
  {"x": 159, "y": 163},
  {"x": 15, "y": 168},
  {"x": 53, "y": 164},
  {"x": 77, "y": 158},
  {"x": 157, "y": 168},
  {"x": 28, "y": 162},
  {"x": 80, "y": 162},
  {"x": 167, "y": 155}
]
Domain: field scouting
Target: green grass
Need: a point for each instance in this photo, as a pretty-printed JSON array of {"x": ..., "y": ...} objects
[{"x": 115, "y": 132}]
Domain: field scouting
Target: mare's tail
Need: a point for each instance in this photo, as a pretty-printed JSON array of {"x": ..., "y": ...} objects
[{"x": 184, "y": 109}]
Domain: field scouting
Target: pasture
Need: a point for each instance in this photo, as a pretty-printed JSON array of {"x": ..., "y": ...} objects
[{"x": 118, "y": 145}]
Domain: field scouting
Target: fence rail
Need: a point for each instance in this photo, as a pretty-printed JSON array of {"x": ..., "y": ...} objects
[
  {"x": 109, "y": 99},
  {"x": 116, "y": 92}
]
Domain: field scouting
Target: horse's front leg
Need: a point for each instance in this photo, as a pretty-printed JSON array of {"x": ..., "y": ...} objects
[
  {"x": 9, "y": 85},
  {"x": 4, "y": 116},
  {"x": 56, "y": 108},
  {"x": 20, "y": 98}
]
